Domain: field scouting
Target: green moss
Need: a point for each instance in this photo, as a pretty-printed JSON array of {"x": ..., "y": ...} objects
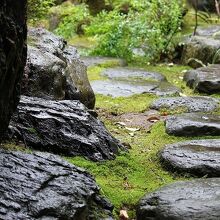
[
  {"x": 94, "y": 73},
  {"x": 119, "y": 105}
]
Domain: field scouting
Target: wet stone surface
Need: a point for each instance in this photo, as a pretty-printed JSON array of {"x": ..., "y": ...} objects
[
  {"x": 193, "y": 124},
  {"x": 205, "y": 79},
  {"x": 187, "y": 200},
  {"x": 186, "y": 104},
  {"x": 62, "y": 127},
  {"x": 197, "y": 157},
  {"x": 133, "y": 74},
  {"x": 43, "y": 186}
]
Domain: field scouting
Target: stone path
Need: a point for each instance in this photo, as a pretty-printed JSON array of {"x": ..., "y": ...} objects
[{"x": 127, "y": 81}]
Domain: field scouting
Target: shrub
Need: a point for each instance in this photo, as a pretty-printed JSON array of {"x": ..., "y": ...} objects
[
  {"x": 150, "y": 25},
  {"x": 71, "y": 19},
  {"x": 37, "y": 9}
]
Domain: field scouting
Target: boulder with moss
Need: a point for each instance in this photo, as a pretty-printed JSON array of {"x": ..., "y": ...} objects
[{"x": 54, "y": 70}]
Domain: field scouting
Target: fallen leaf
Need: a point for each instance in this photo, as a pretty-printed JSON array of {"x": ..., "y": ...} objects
[
  {"x": 132, "y": 129},
  {"x": 153, "y": 119},
  {"x": 123, "y": 215}
]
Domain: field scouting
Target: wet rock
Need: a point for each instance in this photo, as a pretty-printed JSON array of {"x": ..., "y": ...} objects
[
  {"x": 127, "y": 88},
  {"x": 186, "y": 200},
  {"x": 197, "y": 157},
  {"x": 210, "y": 31},
  {"x": 106, "y": 61},
  {"x": 193, "y": 124},
  {"x": 205, "y": 79},
  {"x": 54, "y": 70},
  {"x": 200, "y": 48},
  {"x": 43, "y": 186},
  {"x": 12, "y": 56},
  {"x": 63, "y": 127},
  {"x": 186, "y": 104},
  {"x": 133, "y": 74}
]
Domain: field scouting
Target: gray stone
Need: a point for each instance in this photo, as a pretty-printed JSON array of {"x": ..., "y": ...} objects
[
  {"x": 186, "y": 104},
  {"x": 127, "y": 88},
  {"x": 54, "y": 70},
  {"x": 197, "y": 157},
  {"x": 63, "y": 127},
  {"x": 200, "y": 48},
  {"x": 105, "y": 61},
  {"x": 133, "y": 74},
  {"x": 210, "y": 31},
  {"x": 186, "y": 200},
  {"x": 43, "y": 186},
  {"x": 205, "y": 79},
  {"x": 12, "y": 56},
  {"x": 193, "y": 124}
]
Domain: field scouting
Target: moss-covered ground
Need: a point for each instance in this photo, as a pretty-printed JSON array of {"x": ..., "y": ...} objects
[{"x": 136, "y": 172}]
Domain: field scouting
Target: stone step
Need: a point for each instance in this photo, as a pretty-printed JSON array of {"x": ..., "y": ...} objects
[
  {"x": 197, "y": 157},
  {"x": 186, "y": 104},
  {"x": 193, "y": 124},
  {"x": 185, "y": 200}
]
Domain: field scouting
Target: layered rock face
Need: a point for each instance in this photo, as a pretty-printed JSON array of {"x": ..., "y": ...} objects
[
  {"x": 43, "y": 186},
  {"x": 12, "y": 56},
  {"x": 54, "y": 70},
  {"x": 62, "y": 127}
]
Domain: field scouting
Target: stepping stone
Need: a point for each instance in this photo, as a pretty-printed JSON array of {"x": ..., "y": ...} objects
[
  {"x": 198, "y": 157},
  {"x": 210, "y": 31},
  {"x": 133, "y": 74},
  {"x": 128, "y": 88},
  {"x": 95, "y": 61},
  {"x": 62, "y": 127},
  {"x": 187, "y": 200},
  {"x": 193, "y": 124},
  {"x": 44, "y": 186},
  {"x": 205, "y": 79},
  {"x": 187, "y": 104}
]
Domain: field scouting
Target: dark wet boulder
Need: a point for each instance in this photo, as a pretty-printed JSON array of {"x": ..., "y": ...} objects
[
  {"x": 186, "y": 104},
  {"x": 12, "y": 56},
  {"x": 205, "y": 79},
  {"x": 54, "y": 70},
  {"x": 62, "y": 127},
  {"x": 43, "y": 186},
  {"x": 200, "y": 50},
  {"x": 197, "y": 157},
  {"x": 186, "y": 200},
  {"x": 193, "y": 124}
]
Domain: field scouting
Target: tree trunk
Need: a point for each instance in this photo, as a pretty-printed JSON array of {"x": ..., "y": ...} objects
[{"x": 12, "y": 56}]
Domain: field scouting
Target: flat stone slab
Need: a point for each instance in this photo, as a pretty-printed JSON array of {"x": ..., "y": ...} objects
[
  {"x": 62, "y": 127},
  {"x": 43, "y": 186},
  {"x": 186, "y": 104},
  {"x": 127, "y": 88},
  {"x": 197, "y": 157},
  {"x": 193, "y": 124},
  {"x": 133, "y": 74},
  {"x": 186, "y": 200},
  {"x": 205, "y": 79},
  {"x": 210, "y": 31},
  {"x": 95, "y": 61}
]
